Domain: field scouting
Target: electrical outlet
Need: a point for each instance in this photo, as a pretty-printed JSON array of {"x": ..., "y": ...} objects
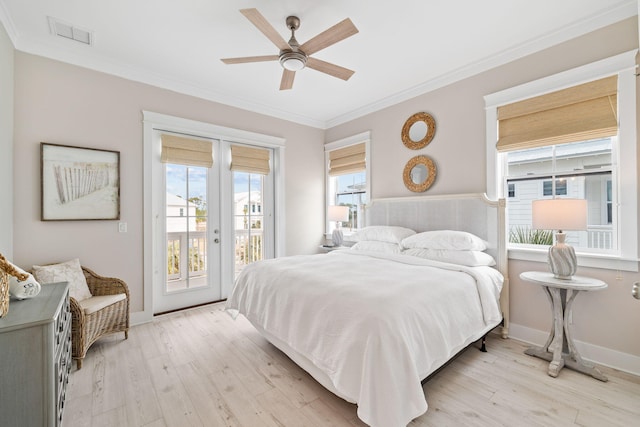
[{"x": 122, "y": 227}]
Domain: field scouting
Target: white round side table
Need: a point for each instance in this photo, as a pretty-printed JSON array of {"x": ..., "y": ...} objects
[{"x": 559, "y": 349}]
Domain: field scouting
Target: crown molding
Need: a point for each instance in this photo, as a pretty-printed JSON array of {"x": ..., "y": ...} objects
[
  {"x": 623, "y": 11},
  {"x": 85, "y": 59},
  {"x": 7, "y": 22}
]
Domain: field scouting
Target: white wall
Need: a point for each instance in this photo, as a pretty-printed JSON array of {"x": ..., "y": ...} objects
[
  {"x": 605, "y": 319},
  {"x": 6, "y": 144},
  {"x": 65, "y": 104}
]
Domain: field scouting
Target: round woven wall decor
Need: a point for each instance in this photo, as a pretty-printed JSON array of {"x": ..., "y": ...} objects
[
  {"x": 428, "y": 180},
  {"x": 430, "y": 123}
]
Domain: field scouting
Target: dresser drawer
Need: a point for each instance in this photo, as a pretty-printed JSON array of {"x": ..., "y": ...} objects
[
  {"x": 63, "y": 356},
  {"x": 63, "y": 368},
  {"x": 62, "y": 323}
]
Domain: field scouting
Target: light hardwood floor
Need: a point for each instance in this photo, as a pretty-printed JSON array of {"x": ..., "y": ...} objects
[{"x": 199, "y": 367}]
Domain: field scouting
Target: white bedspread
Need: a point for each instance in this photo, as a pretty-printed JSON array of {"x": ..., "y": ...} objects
[{"x": 375, "y": 324}]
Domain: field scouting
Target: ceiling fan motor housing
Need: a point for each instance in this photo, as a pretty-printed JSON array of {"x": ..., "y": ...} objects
[{"x": 293, "y": 59}]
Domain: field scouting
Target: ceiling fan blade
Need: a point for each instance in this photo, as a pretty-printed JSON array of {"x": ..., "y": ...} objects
[
  {"x": 340, "y": 31},
  {"x": 287, "y": 79},
  {"x": 328, "y": 68},
  {"x": 267, "y": 29},
  {"x": 246, "y": 59}
]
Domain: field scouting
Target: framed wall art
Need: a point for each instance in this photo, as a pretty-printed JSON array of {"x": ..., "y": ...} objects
[{"x": 79, "y": 183}]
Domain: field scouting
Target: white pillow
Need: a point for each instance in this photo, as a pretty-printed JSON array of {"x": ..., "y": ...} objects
[
  {"x": 373, "y": 246},
  {"x": 69, "y": 271},
  {"x": 445, "y": 239},
  {"x": 382, "y": 233},
  {"x": 468, "y": 258}
]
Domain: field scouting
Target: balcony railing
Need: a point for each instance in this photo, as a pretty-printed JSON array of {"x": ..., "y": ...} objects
[
  {"x": 192, "y": 263},
  {"x": 248, "y": 247},
  {"x": 596, "y": 237},
  {"x": 600, "y": 237}
]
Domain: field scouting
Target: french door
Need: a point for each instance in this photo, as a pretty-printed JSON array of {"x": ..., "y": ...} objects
[
  {"x": 188, "y": 252},
  {"x": 206, "y": 215}
]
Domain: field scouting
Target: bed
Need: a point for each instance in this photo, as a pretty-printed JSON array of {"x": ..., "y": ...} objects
[{"x": 370, "y": 324}]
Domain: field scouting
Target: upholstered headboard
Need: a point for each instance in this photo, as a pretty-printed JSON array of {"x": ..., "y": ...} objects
[{"x": 473, "y": 213}]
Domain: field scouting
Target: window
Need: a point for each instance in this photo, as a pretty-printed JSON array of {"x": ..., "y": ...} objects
[
  {"x": 575, "y": 170},
  {"x": 351, "y": 190},
  {"x": 348, "y": 178},
  {"x": 597, "y": 164},
  {"x": 560, "y": 184}
]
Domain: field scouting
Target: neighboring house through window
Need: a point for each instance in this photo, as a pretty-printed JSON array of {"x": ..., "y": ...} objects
[{"x": 575, "y": 170}]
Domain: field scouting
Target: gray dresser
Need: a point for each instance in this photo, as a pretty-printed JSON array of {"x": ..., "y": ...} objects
[{"x": 35, "y": 358}]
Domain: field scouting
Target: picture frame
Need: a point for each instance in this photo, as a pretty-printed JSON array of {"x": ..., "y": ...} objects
[{"x": 79, "y": 183}]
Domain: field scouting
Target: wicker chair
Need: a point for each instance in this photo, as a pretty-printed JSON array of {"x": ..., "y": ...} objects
[{"x": 87, "y": 328}]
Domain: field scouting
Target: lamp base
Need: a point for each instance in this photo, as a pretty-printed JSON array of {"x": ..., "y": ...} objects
[
  {"x": 337, "y": 237},
  {"x": 562, "y": 259}
]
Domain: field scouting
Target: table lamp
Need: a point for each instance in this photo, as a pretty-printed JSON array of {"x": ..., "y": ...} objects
[
  {"x": 560, "y": 214},
  {"x": 339, "y": 214}
]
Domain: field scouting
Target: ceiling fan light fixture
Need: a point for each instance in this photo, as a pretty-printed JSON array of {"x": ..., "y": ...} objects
[
  {"x": 293, "y": 61},
  {"x": 293, "y": 56}
]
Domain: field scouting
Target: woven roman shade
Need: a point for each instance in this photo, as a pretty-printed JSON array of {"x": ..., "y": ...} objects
[
  {"x": 349, "y": 159},
  {"x": 579, "y": 113},
  {"x": 186, "y": 151},
  {"x": 250, "y": 159}
]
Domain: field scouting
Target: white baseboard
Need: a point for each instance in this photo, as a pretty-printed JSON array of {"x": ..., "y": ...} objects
[
  {"x": 140, "y": 317},
  {"x": 591, "y": 352}
]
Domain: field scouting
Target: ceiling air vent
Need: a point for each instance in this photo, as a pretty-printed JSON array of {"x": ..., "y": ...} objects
[{"x": 70, "y": 32}]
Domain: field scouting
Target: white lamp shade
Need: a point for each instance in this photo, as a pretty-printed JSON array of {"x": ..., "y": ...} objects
[
  {"x": 559, "y": 214},
  {"x": 338, "y": 213}
]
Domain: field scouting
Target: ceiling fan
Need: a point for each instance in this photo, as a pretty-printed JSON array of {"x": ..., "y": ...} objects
[{"x": 293, "y": 56}]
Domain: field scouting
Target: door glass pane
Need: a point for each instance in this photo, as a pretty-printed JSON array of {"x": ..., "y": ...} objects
[
  {"x": 186, "y": 227},
  {"x": 248, "y": 189}
]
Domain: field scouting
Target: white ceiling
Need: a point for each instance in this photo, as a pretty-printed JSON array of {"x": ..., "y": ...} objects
[{"x": 404, "y": 47}]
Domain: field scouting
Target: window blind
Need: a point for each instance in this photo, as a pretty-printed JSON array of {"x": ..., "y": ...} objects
[
  {"x": 579, "y": 113},
  {"x": 250, "y": 159},
  {"x": 186, "y": 151},
  {"x": 349, "y": 159}
]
